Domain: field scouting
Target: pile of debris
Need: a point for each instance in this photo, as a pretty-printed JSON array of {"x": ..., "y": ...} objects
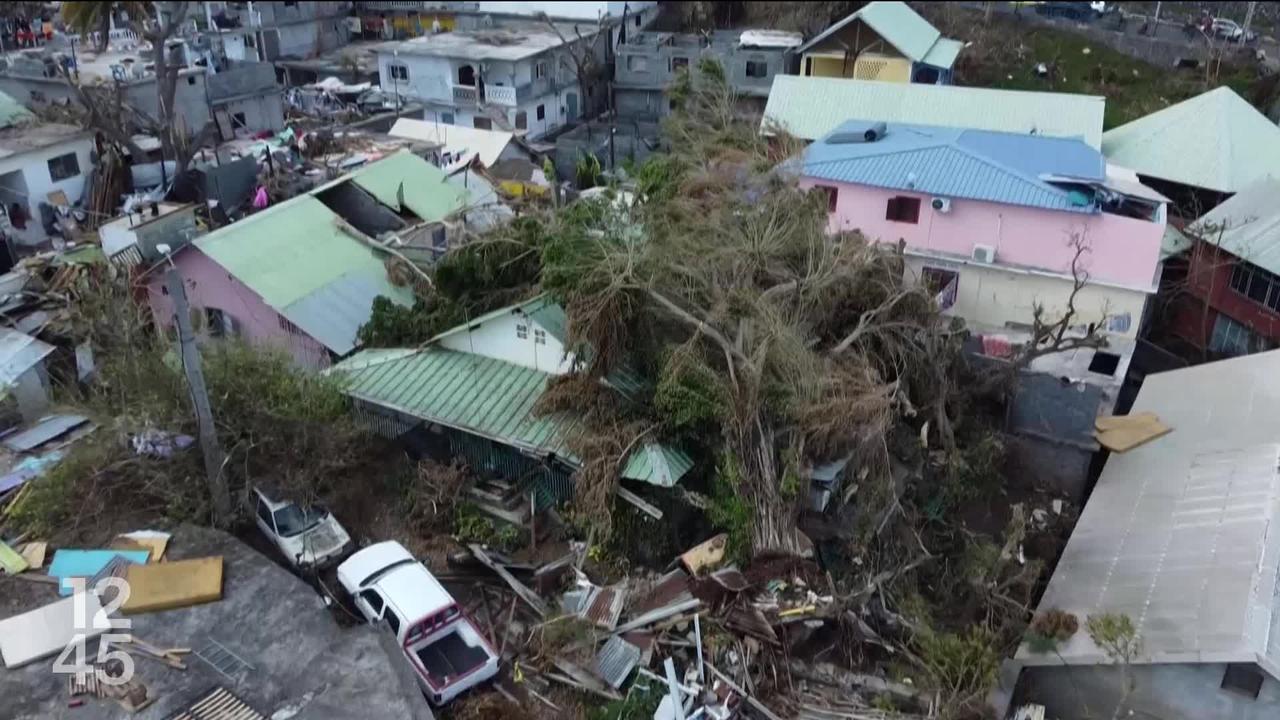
[{"x": 706, "y": 639}]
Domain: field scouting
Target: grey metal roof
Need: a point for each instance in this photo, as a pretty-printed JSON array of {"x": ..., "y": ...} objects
[
  {"x": 18, "y": 353},
  {"x": 333, "y": 313},
  {"x": 1247, "y": 225},
  {"x": 1182, "y": 534}
]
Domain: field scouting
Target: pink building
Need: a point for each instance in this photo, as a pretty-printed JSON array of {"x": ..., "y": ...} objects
[
  {"x": 288, "y": 277},
  {"x": 994, "y": 221}
]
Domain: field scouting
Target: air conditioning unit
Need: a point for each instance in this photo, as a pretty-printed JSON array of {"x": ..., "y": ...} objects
[
  {"x": 984, "y": 254},
  {"x": 941, "y": 204}
]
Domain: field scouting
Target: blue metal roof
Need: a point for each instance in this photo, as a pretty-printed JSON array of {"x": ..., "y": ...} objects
[{"x": 952, "y": 162}]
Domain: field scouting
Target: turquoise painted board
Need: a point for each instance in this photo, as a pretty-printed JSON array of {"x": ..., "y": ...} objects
[{"x": 69, "y": 564}]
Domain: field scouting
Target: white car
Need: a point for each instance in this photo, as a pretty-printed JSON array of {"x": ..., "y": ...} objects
[
  {"x": 444, "y": 647},
  {"x": 307, "y": 536}
]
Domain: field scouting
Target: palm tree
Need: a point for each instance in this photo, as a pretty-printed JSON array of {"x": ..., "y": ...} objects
[{"x": 87, "y": 17}]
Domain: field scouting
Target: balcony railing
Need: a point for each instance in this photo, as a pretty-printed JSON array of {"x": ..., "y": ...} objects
[
  {"x": 500, "y": 95},
  {"x": 464, "y": 94}
]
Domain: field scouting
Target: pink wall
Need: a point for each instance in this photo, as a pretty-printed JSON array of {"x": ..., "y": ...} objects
[
  {"x": 209, "y": 285},
  {"x": 1122, "y": 250}
]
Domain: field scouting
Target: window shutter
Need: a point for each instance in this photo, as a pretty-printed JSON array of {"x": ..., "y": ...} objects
[{"x": 891, "y": 209}]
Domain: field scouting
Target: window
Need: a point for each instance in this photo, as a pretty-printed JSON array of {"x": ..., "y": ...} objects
[
  {"x": 439, "y": 241},
  {"x": 541, "y": 112},
  {"x": 1242, "y": 678},
  {"x": 637, "y": 63},
  {"x": 398, "y": 72},
  {"x": 903, "y": 209},
  {"x": 191, "y": 79},
  {"x": 678, "y": 63},
  {"x": 239, "y": 120},
  {"x": 393, "y": 621},
  {"x": 218, "y": 323},
  {"x": 63, "y": 167},
  {"x": 522, "y": 120},
  {"x": 446, "y": 118},
  {"x": 373, "y": 599},
  {"x": 264, "y": 513},
  {"x": 482, "y": 123},
  {"x": 637, "y": 21},
  {"x": 1256, "y": 284},
  {"x": 522, "y": 331},
  {"x": 540, "y": 336},
  {"x": 831, "y": 192},
  {"x": 942, "y": 284},
  {"x": 1104, "y": 363},
  {"x": 1233, "y": 338},
  {"x": 757, "y": 69},
  {"x": 539, "y": 70}
]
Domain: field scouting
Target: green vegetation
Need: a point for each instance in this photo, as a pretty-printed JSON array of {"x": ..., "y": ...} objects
[
  {"x": 639, "y": 704},
  {"x": 1005, "y": 53}
]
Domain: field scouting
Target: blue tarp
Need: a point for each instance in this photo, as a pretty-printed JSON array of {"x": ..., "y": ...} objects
[
  {"x": 87, "y": 563},
  {"x": 32, "y": 467}
]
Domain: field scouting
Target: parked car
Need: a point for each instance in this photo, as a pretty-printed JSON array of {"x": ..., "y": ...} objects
[
  {"x": 444, "y": 647},
  {"x": 307, "y": 536},
  {"x": 1230, "y": 30}
]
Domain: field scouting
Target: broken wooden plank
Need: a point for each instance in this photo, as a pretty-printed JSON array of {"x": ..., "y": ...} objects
[
  {"x": 657, "y": 615},
  {"x": 11, "y": 561},
  {"x": 1121, "y": 433},
  {"x": 759, "y": 706},
  {"x": 520, "y": 589},
  {"x": 33, "y": 553},
  {"x": 639, "y": 503}
]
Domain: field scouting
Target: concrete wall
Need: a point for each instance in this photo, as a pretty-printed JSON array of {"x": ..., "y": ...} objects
[
  {"x": 1122, "y": 250},
  {"x": 575, "y": 10},
  {"x": 175, "y": 228},
  {"x": 1161, "y": 692},
  {"x": 36, "y": 183},
  {"x": 191, "y": 104},
  {"x": 634, "y": 142},
  {"x": 995, "y": 296},
  {"x": 264, "y": 112},
  {"x": 498, "y": 338},
  {"x": 209, "y": 285}
]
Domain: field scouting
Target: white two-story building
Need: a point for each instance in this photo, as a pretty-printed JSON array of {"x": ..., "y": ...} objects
[{"x": 523, "y": 79}]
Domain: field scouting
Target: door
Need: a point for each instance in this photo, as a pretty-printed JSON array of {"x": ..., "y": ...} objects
[
  {"x": 265, "y": 523},
  {"x": 370, "y": 604},
  {"x": 571, "y": 106}
]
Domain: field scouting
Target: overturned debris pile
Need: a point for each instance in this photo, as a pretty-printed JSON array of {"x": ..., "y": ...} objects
[{"x": 698, "y": 641}]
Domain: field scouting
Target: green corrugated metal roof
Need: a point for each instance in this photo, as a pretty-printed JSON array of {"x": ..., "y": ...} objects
[
  {"x": 943, "y": 54},
  {"x": 1215, "y": 140},
  {"x": 899, "y": 25},
  {"x": 811, "y": 107},
  {"x": 298, "y": 259},
  {"x": 12, "y": 112},
  {"x": 485, "y": 397},
  {"x": 426, "y": 190}
]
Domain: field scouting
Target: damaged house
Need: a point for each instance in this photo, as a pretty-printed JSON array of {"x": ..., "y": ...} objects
[
  {"x": 1179, "y": 536},
  {"x": 302, "y": 275},
  {"x": 884, "y": 41},
  {"x": 996, "y": 225},
  {"x": 472, "y": 391}
]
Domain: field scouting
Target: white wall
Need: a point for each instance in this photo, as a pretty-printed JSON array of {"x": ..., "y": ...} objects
[
  {"x": 991, "y": 296},
  {"x": 430, "y": 78},
  {"x": 34, "y": 167},
  {"x": 497, "y": 338}
]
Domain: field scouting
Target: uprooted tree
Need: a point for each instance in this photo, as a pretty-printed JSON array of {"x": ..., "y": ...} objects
[{"x": 769, "y": 347}]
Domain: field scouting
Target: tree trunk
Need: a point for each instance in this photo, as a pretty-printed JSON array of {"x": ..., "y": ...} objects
[
  {"x": 752, "y": 444},
  {"x": 104, "y": 29}
]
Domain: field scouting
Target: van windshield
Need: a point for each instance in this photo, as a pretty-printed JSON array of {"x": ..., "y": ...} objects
[{"x": 293, "y": 520}]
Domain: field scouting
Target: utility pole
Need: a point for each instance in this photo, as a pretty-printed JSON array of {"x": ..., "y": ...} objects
[
  {"x": 213, "y": 456},
  {"x": 1155, "y": 23},
  {"x": 1248, "y": 19}
]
